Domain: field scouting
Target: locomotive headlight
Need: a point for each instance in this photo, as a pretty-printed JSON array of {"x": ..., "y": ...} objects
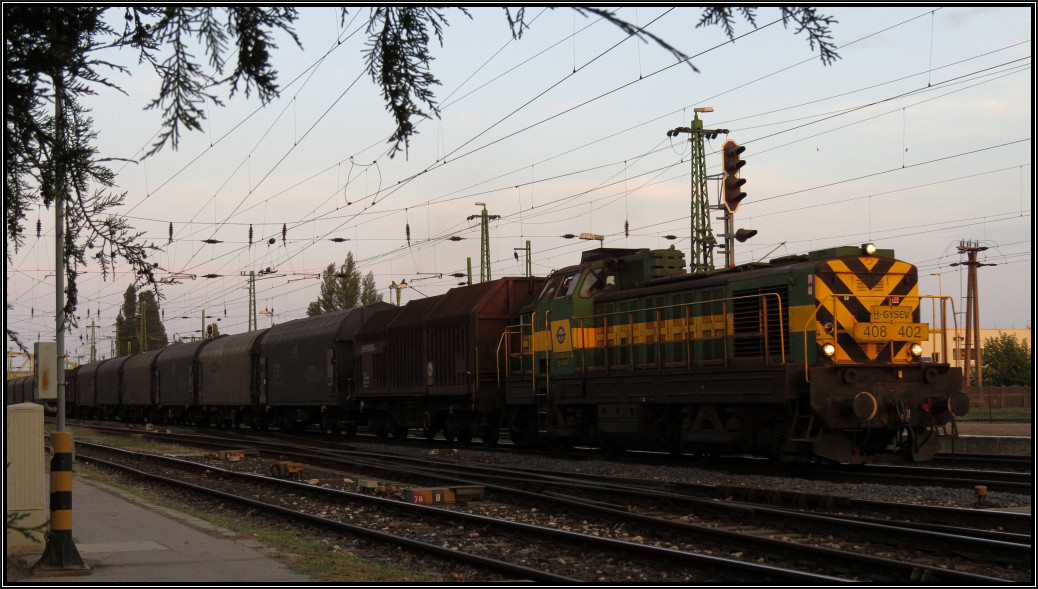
[
  {"x": 917, "y": 350},
  {"x": 829, "y": 350},
  {"x": 869, "y": 249}
]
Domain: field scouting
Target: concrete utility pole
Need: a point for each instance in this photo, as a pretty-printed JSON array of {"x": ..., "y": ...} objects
[
  {"x": 60, "y": 552},
  {"x": 971, "y": 249}
]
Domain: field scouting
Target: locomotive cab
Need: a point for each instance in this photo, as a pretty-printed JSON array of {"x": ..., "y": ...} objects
[
  {"x": 562, "y": 317},
  {"x": 564, "y": 340}
]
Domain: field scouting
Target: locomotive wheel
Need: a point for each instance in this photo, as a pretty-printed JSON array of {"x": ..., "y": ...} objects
[
  {"x": 400, "y": 432},
  {"x": 490, "y": 436},
  {"x": 674, "y": 447},
  {"x": 779, "y": 430},
  {"x": 522, "y": 429}
]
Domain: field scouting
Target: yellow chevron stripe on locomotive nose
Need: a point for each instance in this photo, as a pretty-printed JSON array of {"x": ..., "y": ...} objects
[{"x": 847, "y": 289}]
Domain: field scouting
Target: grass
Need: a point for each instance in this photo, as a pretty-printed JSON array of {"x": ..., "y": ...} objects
[
  {"x": 1021, "y": 414},
  {"x": 317, "y": 558}
]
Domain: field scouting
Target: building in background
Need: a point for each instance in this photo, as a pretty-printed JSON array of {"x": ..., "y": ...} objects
[{"x": 932, "y": 349}]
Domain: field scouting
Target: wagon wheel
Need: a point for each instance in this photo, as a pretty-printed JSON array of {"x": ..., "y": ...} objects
[
  {"x": 381, "y": 431},
  {"x": 457, "y": 431},
  {"x": 430, "y": 426},
  {"x": 464, "y": 436},
  {"x": 329, "y": 423}
]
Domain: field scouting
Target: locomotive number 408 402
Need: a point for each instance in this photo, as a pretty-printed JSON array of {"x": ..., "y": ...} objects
[{"x": 884, "y": 332}]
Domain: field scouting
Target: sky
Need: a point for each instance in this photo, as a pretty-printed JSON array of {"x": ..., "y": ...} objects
[{"x": 919, "y": 138}]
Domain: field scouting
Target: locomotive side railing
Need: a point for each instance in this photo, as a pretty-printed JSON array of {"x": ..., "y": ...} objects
[
  {"x": 943, "y": 329},
  {"x": 611, "y": 342}
]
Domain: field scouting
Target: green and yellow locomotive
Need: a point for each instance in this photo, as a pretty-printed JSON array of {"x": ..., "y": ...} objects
[{"x": 815, "y": 355}]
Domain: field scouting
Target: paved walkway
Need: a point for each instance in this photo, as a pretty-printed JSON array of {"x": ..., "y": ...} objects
[
  {"x": 980, "y": 428},
  {"x": 127, "y": 541}
]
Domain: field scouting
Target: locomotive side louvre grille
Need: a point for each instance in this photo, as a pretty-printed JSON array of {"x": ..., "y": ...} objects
[
  {"x": 847, "y": 288},
  {"x": 749, "y": 323}
]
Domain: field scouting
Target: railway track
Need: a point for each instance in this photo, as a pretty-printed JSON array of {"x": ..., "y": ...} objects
[
  {"x": 955, "y": 471},
  {"x": 553, "y": 548},
  {"x": 635, "y": 503},
  {"x": 985, "y": 461}
]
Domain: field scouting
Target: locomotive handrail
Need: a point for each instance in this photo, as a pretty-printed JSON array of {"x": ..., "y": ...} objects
[
  {"x": 533, "y": 352},
  {"x": 944, "y": 321},
  {"x": 813, "y": 317},
  {"x": 586, "y": 342},
  {"x": 547, "y": 359}
]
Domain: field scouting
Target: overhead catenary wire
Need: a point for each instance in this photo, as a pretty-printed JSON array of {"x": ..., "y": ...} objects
[{"x": 531, "y": 219}]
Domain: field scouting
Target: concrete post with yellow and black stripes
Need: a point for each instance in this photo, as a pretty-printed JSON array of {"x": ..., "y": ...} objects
[{"x": 60, "y": 555}]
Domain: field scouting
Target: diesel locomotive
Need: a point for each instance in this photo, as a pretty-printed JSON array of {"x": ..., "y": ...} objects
[{"x": 813, "y": 356}]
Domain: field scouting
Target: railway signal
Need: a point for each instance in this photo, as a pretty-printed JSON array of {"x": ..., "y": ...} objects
[{"x": 732, "y": 182}]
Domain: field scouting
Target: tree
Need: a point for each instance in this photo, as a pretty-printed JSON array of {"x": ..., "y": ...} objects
[
  {"x": 50, "y": 62},
  {"x": 340, "y": 289},
  {"x": 128, "y": 324},
  {"x": 48, "y": 151},
  {"x": 369, "y": 294},
  {"x": 1007, "y": 361}
]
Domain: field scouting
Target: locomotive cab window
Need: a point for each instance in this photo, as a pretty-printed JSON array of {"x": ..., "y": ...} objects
[
  {"x": 568, "y": 285},
  {"x": 597, "y": 280},
  {"x": 550, "y": 287}
]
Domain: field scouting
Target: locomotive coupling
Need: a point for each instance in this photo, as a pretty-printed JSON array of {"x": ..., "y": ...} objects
[
  {"x": 957, "y": 403},
  {"x": 865, "y": 406}
]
